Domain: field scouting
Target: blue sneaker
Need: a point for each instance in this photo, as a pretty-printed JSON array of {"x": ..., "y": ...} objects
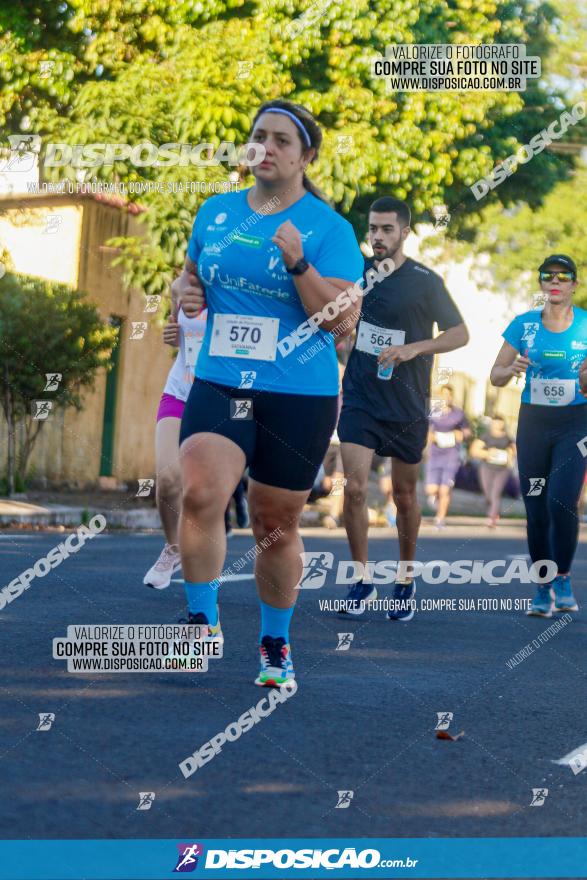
[
  {"x": 542, "y": 602},
  {"x": 563, "y": 594},
  {"x": 359, "y": 596},
  {"x": 404, "y": 602}
]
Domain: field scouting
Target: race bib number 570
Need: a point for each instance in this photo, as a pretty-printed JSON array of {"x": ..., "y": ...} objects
[{"x": 244, "y": 336}]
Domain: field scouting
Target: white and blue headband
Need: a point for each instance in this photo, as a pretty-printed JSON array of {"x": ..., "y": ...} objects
[{"x": 295, "y": 119}]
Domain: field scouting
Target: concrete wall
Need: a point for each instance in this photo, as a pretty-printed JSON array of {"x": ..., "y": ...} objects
[{"x": 69, "y": 446}]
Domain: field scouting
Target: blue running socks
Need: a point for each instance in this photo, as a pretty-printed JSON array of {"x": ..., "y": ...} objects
[
  {"x": 203, "y": 598},
  {"x": 275, "y": 621}
]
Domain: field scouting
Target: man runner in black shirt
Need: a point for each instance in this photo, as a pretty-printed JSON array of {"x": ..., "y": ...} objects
[{"x": 386, "y": 390}]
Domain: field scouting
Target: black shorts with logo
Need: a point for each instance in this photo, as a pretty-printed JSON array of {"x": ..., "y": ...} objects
[
  {"x": 403, "y": 440},
  {"x": 283, "y": 436}
]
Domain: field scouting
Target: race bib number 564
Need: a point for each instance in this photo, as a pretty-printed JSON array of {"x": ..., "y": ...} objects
[{"x": 373, "y": 339}]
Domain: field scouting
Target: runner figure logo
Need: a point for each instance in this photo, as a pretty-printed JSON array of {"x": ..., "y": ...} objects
[
  {"x": 538, "y": 301},
  {"x": 537, "y": 484},
  {"x": 345, "y": 143},
  {"x": 539, "y": 795},
  {"x": 138, "y": 329},
  {"x": 316, "y": 565},
  {"x": 146, "y": 799},
  {"x": 46, "y": 719},
  {"x": 436, "y": 407},
  {"x": 53, "y": 380},
  {"x": 344, "y": 800},
  {"x": 338, "y": 485},
  {"x": 52, "y": 224},
  {"x": 578, "y": 762},
  {"x": 444, "y": 374},
  {"x": 444, "y": 719},
  {"x": 41, "y": 409},
  {"x": 145, "y": 487},
  {"x": 24, "y": 150},
  {"x": 153, "y": 301},
  {"x": 344, "y": 641},
  {"x": 247, "y": 378},
  {"x": 442, "y": 221},
  {"x": 241, "y": 409},
  {"x": 188, "y": 857},
  {"x": 244, "y": 69}
]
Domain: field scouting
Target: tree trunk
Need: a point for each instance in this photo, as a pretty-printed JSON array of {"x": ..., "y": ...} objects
[
  {"x": 32, "y": 430},
  {"x": 11, "y": 439}
]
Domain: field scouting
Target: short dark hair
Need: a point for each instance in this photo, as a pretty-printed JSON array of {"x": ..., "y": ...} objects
[{"x": 389, "y": 205}]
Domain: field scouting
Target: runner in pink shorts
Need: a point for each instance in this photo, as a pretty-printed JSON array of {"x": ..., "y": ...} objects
[{"x": 188, "y": 334}]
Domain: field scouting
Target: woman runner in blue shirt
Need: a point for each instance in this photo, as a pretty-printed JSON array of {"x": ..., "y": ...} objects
[
  {"x": 549, "y": 346},
  {"x": 264, "y": 260}
]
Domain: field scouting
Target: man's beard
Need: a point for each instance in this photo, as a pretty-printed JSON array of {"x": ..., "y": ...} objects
[{"x": 389, "y": 252}]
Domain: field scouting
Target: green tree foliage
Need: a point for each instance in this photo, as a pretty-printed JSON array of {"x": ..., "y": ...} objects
[
  {"x": 518, "y": 238},
  {"x": 147, "y": 71},
  {"x": 45, "y": 327}
]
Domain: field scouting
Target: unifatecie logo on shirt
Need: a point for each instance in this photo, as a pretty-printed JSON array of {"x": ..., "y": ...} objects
[{"x": 559, "y": 355}]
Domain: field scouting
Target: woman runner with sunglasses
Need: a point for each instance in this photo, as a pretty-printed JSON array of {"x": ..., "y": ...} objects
[
  {"x": 269, "y": 258},
  {"x": 549, "y": 345}
]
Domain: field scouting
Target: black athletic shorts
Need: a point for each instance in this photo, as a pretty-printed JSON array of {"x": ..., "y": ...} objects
[
  {"x": 403, "y": 440},
  {"x": 284, "y": 436}
]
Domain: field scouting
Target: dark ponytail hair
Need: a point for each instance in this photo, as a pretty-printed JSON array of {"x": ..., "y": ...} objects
[{"x": 314, "y": 133}]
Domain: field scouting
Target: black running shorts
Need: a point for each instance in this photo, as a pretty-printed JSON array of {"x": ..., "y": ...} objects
[
  {"x": 403, "y": 440},
  {"x": 284, "y": 436}
]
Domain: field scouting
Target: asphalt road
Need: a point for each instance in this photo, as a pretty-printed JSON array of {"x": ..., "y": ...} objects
[{"x": 362, "y": 720}]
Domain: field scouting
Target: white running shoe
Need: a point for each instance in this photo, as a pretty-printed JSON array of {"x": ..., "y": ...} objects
[{"x": 159, "y": 575}]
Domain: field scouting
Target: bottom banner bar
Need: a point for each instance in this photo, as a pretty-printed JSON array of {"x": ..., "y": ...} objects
[{"x": 508, "y": 857}]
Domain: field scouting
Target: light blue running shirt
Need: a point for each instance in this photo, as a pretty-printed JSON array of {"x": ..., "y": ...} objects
[
  {"x": 552, "y": 379},
  {"x": 252, "y": 301}
]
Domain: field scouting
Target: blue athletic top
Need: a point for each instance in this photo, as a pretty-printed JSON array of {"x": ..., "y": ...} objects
[
  {"x": 253, "y": 305},
  {"x": 553, "y": 356}
]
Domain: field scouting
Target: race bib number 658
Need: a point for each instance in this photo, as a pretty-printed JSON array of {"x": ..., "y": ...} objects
[{"x": 552, "y": 392}]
